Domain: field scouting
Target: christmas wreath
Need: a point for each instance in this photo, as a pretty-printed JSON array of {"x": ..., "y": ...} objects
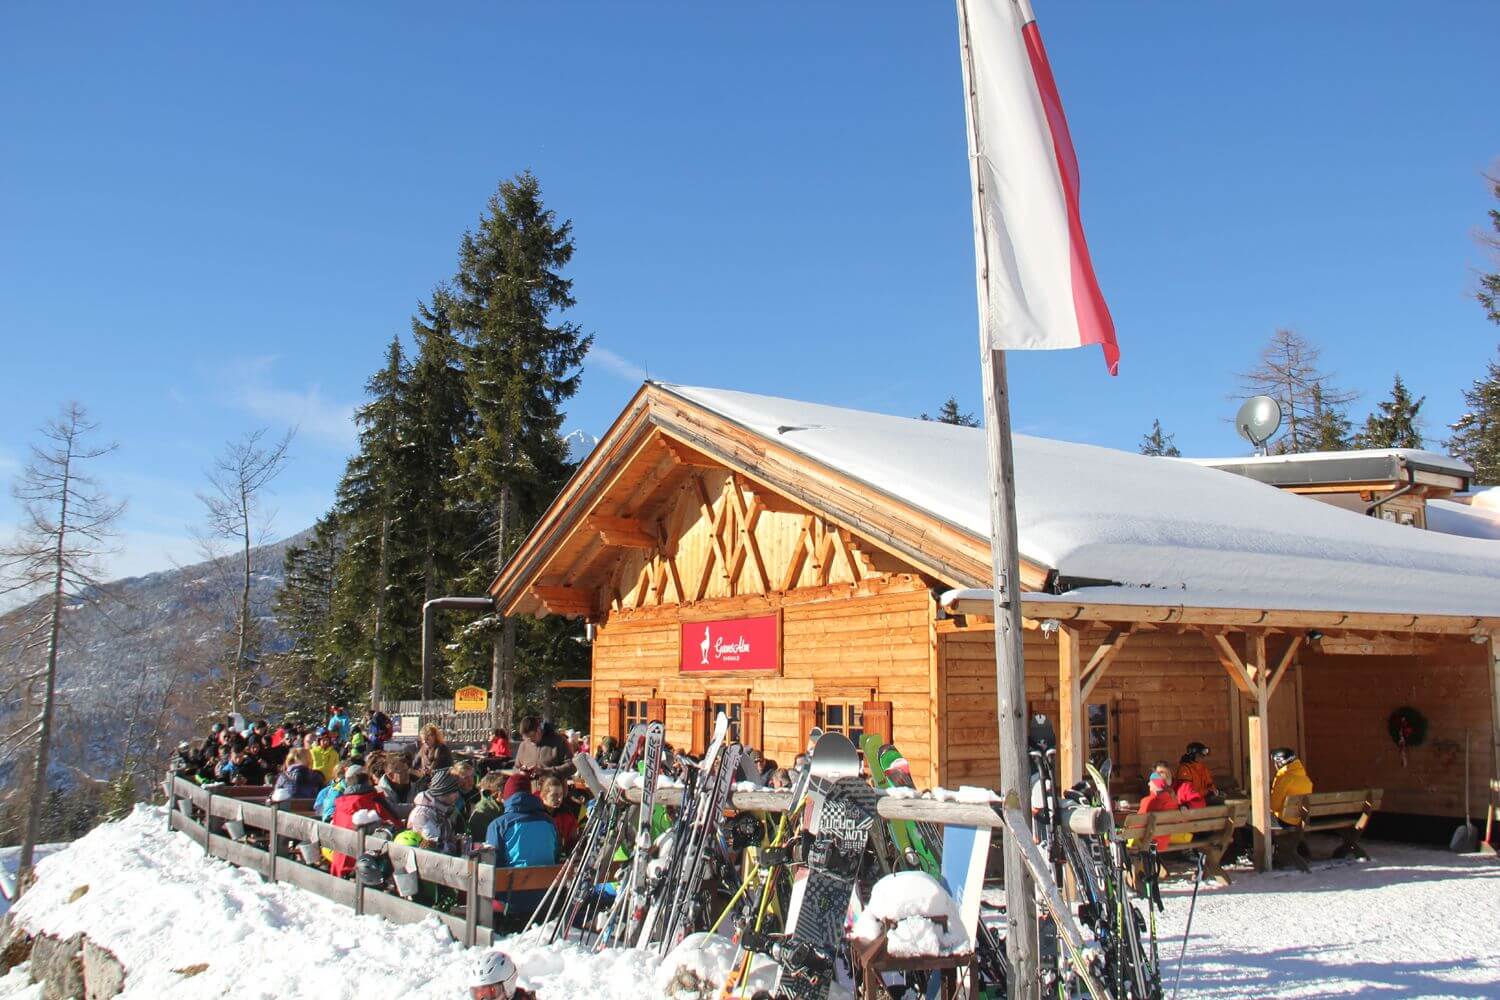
[{"x": 1408, "y": 728}]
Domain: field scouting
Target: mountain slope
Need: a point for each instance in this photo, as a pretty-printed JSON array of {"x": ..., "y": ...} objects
[{"x": 133, "y": 669}]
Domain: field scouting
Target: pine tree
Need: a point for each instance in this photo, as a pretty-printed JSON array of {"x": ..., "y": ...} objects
[
  {"x": 310, "y": 674},
  {"x": 119, "y": 797},
  {"x": 1476, "y": 434},
  {"x": 374, "y": 628},
  {"x": 1159, "y": 443},
  {"x": 1395, "y": 422},
  {"x": 1288, "y": 372},
  {"x": 521, "y": 365},
  {"x": 452, "y": 534},
  {"x": 1330, "y": 427},
  {"x": 1489, "y": 284},
  {"x": 950, "y": 413}
]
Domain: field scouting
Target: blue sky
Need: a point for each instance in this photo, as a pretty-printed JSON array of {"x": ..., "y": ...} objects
[{"x": 213, "y": 218}]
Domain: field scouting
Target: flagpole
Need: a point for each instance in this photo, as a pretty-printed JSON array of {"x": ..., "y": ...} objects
[{"x": 1010, "y": 665}]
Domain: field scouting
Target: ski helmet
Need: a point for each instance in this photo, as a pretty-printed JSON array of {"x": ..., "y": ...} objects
[
  {"x": 372, "y": 869},
  {"x": 494, "y": 975},
  {"x": 408, "y": 838},
  {"x": 1196, "y": 750},
  {"x": 1282, "y": 756}
]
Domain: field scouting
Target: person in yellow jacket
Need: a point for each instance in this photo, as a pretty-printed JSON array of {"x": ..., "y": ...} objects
[
  {"x": 325, "y": 757},
  {"x": 1291, "y": 779}
]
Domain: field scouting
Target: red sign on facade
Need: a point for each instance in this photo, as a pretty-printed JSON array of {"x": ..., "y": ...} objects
[{"x": 730, "y": 644}]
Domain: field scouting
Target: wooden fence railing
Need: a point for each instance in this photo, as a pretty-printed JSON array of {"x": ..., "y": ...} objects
[
  {"x": 202, "y": 813},
  {"x": 457, "y": 727}
]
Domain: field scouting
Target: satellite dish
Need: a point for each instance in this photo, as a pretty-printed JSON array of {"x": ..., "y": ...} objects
[{"x": 1258, "y": 420}]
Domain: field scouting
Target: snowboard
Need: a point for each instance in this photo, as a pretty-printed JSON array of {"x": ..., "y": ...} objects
[{"x": 809, "y": 954}]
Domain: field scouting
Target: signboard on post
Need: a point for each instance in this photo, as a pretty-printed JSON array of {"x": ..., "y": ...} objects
[
  {"x": 471, "y": 699},
  {"x": 730, "y": 644}
]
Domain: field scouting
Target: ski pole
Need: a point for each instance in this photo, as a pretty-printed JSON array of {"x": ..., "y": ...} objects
[{"x": 1192, "y": 904}]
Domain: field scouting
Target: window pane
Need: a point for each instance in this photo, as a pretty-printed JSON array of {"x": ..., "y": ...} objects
[{"x": 834, "y": 716}]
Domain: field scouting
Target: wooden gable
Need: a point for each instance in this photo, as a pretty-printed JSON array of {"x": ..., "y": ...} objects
[{"x": 677, "y": 505}]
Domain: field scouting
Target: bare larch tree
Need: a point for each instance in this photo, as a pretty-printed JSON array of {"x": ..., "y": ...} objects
[
  {"x": 67, "y": 526},
  {"x": 1288, "y": 372},
  {"x": 236, "y": 481}
]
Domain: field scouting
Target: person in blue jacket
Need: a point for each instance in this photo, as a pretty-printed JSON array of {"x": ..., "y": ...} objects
[
  {"x": 339, "y": 724},
  {"x": 523, "y": 836}
]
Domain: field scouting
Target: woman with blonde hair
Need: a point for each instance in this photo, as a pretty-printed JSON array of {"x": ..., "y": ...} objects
[
  {"x": 298, "y": 779},
  {"x": 433, "y": 755}
]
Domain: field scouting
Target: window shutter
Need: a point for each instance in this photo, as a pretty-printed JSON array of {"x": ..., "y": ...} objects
[
  {"x": 656, "y": 710},
  {"x": 617, "y": 718},
  {"x": 752, "y": 725},
  {"x": 877, "y": 720},
  {"x": 1128, "y": 735},
  {"x": 699, "y": 741},
  {"x": 807, "y": 718}
]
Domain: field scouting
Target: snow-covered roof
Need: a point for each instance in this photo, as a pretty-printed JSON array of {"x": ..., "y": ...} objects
[
  {"x": 1333, "y": 467},
  {"x": 1157, "y": 529},
  {"x": 1417, "y": 456}
]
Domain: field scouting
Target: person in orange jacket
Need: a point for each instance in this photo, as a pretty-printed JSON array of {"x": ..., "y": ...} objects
[
  {"x": 1193, "y": 770},
  {"x": 1161, "y": 798}
]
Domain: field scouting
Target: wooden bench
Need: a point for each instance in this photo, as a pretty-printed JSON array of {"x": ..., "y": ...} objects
[
  {"x": 1343, "y": 813},
  {"x": 1209, "y": 830}
]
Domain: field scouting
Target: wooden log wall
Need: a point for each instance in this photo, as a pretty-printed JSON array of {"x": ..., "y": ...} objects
[
  {"x": 1349, "y": 698},
  {"x": 1163, "y": 691},
  {"x": 869, "y": 641}
]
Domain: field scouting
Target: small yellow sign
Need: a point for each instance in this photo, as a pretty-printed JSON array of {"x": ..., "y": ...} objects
[{"x": 471, "y": 699}]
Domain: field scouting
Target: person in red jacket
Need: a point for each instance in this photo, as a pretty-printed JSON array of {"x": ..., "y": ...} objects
[
  {"x": 499, "y": 744},
  {"x": 554, "y": 795},
  {"x": 1161, "y": 798},
  {"x": 360, "y": 799}
]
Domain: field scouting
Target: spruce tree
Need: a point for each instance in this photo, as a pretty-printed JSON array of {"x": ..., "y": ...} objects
[
  {"x": 1476, "y": 434},
  {"x": 522, "y": 364},
  {"x": 1330, "y": 428},
  {"x": 1394, "y": 424},
  {"x": 949, "y": 413},
  {"x": 1489, "y": 284},
  {"x": 1159, "y": 442},
  {"x": 310, "y": 674},
  {"x": 375, "y": 629},
  {"x": 452, "y": 534}
]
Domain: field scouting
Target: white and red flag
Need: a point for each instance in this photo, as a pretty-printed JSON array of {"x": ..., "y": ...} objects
[{"x": 1036, "y": 282}]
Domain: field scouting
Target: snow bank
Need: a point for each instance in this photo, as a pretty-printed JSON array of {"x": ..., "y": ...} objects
[
  {"x": 1469, "y": 520},
  {"x": 1141, "y": 522},
  {"x": 914, "y": 901},
  {"x": 160, "y": 905}
]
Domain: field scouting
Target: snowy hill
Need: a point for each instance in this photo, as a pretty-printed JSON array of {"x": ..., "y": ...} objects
[{"x": 131, "y": 665}]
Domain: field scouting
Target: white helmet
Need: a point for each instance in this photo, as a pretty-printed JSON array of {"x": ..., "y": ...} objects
[{"x": 494, "y": 968}]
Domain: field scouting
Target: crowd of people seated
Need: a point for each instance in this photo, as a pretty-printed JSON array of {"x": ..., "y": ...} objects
[{"x": 513, "y": 800}]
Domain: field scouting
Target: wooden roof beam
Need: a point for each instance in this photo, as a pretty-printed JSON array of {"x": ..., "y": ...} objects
[
  {"x": 624, "y": 532},
  {"x": 570, "y": 602}
]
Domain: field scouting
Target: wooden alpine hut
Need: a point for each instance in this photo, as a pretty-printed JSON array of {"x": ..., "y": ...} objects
[{"x": 794, "y": 564}]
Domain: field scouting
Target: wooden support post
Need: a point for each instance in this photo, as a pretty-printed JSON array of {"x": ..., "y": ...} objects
[
  {"x": 471, "y": 912},
  {"x": 359, "y": 886},
  {"x": 1495, "y": 699},
  {"x": 271, "y": 844},
  {"x": 171, "y": 800},
  {"x": 208, "y": 823},
  {"x": 1071, "y": 734},
  {"x": 1260, "y": 751}
]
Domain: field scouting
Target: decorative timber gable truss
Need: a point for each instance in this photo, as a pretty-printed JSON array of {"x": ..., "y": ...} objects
[{"x": 677, "y": 504}]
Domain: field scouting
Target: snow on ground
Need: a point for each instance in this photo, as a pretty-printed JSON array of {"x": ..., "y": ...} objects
[
  {"x": 1412, "y": 922},
  {"x": 1415, "y": 922},
  {"x": 160, "y": 905}
]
